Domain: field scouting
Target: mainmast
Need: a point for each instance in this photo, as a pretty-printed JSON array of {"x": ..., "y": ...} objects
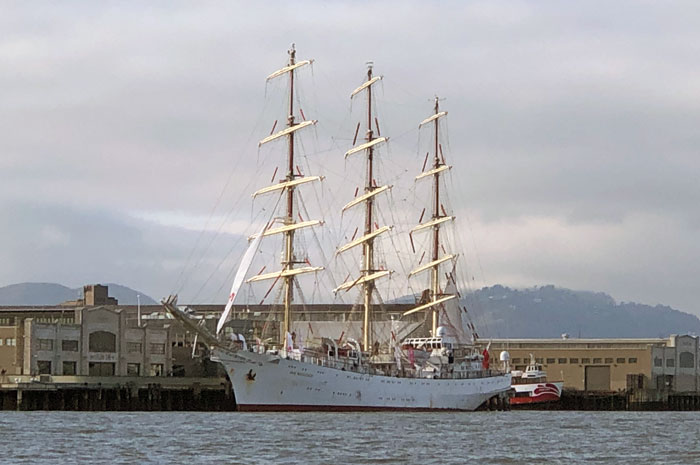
[
  {"x": 437, "y": 298},
  {"x": 288, "y": 261},
  {"x": 369, "y": 273},
  {"x": 289, "y": 183},
  {"x": 435, "y": 284},
  {"x": 368, "y": 248}
]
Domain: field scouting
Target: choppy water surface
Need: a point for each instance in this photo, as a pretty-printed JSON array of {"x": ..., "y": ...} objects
[{"x": 350, "y": 438}]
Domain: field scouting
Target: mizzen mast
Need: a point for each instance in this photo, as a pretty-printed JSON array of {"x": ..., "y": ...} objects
[
  {"x": 369, "y": 273},
  {"x": 439, "y": 216},
  {"x": 289, "y": 184}
]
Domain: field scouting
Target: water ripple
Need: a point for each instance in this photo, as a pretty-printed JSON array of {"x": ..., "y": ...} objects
[{"x": 350, "y": 438}]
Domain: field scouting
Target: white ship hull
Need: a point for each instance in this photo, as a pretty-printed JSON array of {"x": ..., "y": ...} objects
[{"x": 269, "y": 382}]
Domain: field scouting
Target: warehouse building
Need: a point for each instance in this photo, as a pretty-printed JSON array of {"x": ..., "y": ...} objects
[{"x": 609, "y": 364}]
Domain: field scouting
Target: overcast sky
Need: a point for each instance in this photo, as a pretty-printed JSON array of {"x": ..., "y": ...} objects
[{"x": 573, "y": 128}]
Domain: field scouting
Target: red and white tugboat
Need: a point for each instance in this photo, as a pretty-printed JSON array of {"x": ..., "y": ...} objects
[{"x": 531, "y": 386}]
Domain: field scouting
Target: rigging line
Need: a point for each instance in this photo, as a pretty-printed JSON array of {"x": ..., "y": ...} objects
[
  {"x": 463, "y": 275},
  {"x": 233, "y": 169},
  {"x": 401, "y": 260},
  {"x": 221, "y": 262},
  {"x": 216, "y": 235},
  {"x": 225, "y": 219},
  {"x": 324, "y": 259}
]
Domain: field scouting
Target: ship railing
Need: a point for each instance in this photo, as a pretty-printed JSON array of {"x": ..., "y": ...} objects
[{"x": 351, "y": 365}]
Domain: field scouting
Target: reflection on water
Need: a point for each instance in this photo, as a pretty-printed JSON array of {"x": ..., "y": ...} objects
[{"x": 518, "y": 437}]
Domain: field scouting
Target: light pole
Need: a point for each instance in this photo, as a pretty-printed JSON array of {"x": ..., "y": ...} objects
[{"x": 138, "y": 309}]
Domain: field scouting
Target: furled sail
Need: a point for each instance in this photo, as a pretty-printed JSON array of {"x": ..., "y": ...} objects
[
  {"x": 433, "y": 118},
  {"x": 366, "y": 145},
  {"x": 432, "y": 264},
  {"x": 430, "y": 304},
  {"x": 287, "y": 184},
  {"x": 365, "y": 85},
  {"x": 240, "y": 276},
  {"x": 287, "y": 131},
  {"x": 363, "y": 239},
  {"x": 366, "y": 196},
  {"x": 289, "y": 68},
  {"x": 362, "y": 279},
  {"x": 432, "y": 223},
  {"x": 433, "y": 172}
]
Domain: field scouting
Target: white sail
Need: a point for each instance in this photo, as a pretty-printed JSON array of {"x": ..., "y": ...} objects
[
  {"x": 240, "y": 276},
  {"x": 450, "y": 316}
]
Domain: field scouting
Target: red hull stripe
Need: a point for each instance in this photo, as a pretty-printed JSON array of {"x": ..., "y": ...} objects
[
  {"x": 331, "y": 408},
  {"x": 534, "y": 400}
]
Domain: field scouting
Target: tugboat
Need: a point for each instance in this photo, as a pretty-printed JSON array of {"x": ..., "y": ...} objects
[{"x": 531, "y": 386}]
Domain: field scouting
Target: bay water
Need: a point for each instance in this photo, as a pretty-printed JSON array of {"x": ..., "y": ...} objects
[{"x": 516, "y": 437}]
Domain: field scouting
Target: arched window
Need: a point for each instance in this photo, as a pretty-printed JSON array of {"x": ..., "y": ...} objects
[
  {"x": 103, "y": 341},
  {"x": 687, "y": 360}
]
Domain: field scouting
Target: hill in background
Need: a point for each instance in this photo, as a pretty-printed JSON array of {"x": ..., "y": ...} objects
[
  {"x": 497, "y": 311},
  {"x": 549, "y": 312},
  {"x": 28, "y": 294}
]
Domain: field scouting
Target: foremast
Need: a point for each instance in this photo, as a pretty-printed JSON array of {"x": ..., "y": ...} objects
[
  {"x": 368, "y": 272},
  {"x": 439, "y": 216},
  {"x": 289, "y": 184}
]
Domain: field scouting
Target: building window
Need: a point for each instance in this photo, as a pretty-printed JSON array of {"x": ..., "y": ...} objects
[
  {"x": 156, "y": 369},
  {"x": 573, "y": 360},
  {"x": 538, "y": 360},
  {"x": 7, "y": 321},
  {"x": 632, "y": 360},
  {"x": 133, "y": 369},
  {"x": 103, "y": 341},
  {"x": 134, "y": 347},
  {"x": 585, "y": 360},
  {"x": 658, "y": 362},
  {"x": 44, "y": 367},
  {"x": 550, "y": 360},
  {"x": 670, "y": 362},
  {"x": 1, "y": 339},
  {"x": 686, "y": 360},
  {"x": 562, "y": 360},
  {"x": 45, "y": 344},
  {"x": 158, "y": 349},
  {"x": 69, "y": 368},
  {"x": 11, "y": 341},
  {"x": 515, "y": 361},
  {"x": 608, "y": 360},
  {"x": 101, "y": 369},
  {"x": 69, "y": 345},
  {"x": 597, "y": 360},
  {"x": 620, "y": 360}
]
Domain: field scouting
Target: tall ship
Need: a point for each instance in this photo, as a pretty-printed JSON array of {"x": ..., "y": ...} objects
[{"x": 430, "y": 365}]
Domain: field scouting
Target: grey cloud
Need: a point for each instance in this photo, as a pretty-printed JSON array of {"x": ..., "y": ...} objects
[
  {"x": 584, "y": 114},
  {"x": 75, "y": 246}
]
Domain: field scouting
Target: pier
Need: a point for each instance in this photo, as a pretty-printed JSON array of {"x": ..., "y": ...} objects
[
  {"x": 619, "y": 401},
  {"x": 26, "y": 393}
]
